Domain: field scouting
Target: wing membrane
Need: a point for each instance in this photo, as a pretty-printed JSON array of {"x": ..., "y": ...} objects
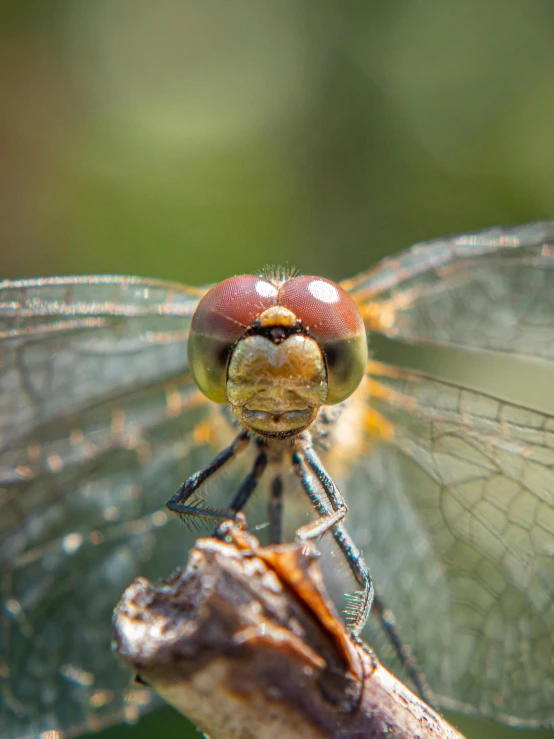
[
  {"x": 66, "y": 342},
  {"x": 490, "y": 290},
  {"x": 460, "y": 537},
  {"x": 62, "y": 572},
  {"x": 97, "y": 410}
]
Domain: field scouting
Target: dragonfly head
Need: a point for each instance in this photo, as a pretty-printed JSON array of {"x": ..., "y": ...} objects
[{"x": 277, "y": 350}]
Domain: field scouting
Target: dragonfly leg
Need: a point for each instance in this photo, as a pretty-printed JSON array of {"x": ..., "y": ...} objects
[
  {"x": 179, "y": 504},
  {"x": 360, "y": 603},
  {"x": 275, "y": 511},
  {"x": 308, "y": 466},
  {"x": 248, "y": 485}
]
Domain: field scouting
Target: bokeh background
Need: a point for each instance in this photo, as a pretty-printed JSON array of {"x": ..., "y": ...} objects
[{"x": 195, "y": 140}]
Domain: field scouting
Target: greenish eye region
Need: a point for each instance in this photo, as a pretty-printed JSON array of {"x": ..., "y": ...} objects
[
  {"x": 208, "y": 359},
  {"x": 346, "y": 361}
]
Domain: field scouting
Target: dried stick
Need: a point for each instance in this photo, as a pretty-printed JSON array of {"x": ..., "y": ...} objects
[{"x": 246, "y": 642}]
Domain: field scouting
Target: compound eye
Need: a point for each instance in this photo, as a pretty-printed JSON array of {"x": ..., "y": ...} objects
[
  {"x": 333, "y": 319},
  {"x": 222, "y": 316}
]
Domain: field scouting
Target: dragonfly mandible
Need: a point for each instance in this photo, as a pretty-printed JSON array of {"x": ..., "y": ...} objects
[{"x": 449, "y": 490}]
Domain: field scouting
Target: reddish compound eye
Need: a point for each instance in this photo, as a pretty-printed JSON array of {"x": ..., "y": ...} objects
[
  {"x": 332, "y": 317},
  {"x": 221, "y": 318},
  {"x": 325, "y": 309}
]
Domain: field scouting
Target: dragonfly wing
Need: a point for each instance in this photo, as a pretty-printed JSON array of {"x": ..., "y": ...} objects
[
  {"x": 97, "y": 417},
  {"x": 458, "y": 531},
  {"x": 68, "y": 341},
  {"x": 492, "y": 290}
]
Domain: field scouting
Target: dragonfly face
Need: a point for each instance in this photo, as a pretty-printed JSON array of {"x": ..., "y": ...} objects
[
  {"x": 277, "y": 349},
  {"x": 450, "y": 491}
]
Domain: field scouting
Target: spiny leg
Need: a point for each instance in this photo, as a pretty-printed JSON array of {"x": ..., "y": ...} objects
[
  {"x": 249, "y": 484},
  {"x": 178, "y": 502},
  {"x": 359, "y": 611},
  {"x": 307, "y": 465},
  {"x": 360, "y": 603},
  {"x": 275, "y": 511}
]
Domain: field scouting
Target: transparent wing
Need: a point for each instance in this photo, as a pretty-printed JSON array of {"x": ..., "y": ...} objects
[
  {"x": 68, "y": 341},
  {"x": 97, "y": 411},
  {"x": 457, "y": 525},
  {"x": 490, "y": 290}
]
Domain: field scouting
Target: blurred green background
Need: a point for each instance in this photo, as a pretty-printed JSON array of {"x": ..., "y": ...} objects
[{"x": 193, "y": 141}]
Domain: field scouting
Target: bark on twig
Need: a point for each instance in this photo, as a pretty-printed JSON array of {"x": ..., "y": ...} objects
[{"x": 246, "y": 642}]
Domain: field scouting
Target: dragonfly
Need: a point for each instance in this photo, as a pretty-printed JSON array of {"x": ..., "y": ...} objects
[{"x": 115, "y": 389}]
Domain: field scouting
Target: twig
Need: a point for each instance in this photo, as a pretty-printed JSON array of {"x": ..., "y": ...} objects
[{"x": 246, "y": 642}]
